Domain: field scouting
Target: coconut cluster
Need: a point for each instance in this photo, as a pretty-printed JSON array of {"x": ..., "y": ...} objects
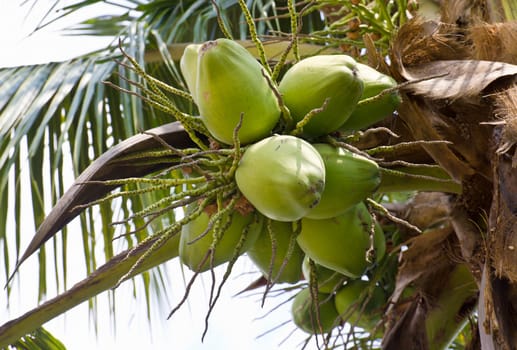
[{"x": 304, "y": 191}]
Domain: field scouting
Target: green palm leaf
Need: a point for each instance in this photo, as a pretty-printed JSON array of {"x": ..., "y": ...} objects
[{"x": 38, "y": 339}]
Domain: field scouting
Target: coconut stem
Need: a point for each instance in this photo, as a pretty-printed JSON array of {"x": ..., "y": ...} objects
[
  {"x": 400, "y": 181},
  {"x": 220, "y": 21},
  {"x": 254, "y": 36}
]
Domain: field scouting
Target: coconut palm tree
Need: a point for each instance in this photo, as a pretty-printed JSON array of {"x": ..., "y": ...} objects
[{"x": 454, "y": 131}]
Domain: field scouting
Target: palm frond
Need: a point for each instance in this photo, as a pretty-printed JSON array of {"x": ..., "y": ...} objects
[
  {"x": 105, "y": 277},
  {"x": 108, "y": 25},
  {"x": 38, "y": 339},
  {"x": 52, "y": 108}
]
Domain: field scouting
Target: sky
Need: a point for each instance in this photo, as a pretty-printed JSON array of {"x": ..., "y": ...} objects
[
  {"x": 20, "y": 45},
  {"x": 236, "y": 322}
]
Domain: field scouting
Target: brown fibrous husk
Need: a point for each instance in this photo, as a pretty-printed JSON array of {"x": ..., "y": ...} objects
[
  {"x": 506, "y": 111},
  {"x": 494, "y": 42}
]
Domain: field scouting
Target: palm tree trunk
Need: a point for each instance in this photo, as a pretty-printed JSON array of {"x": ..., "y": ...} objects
[{"x": 482, "y": 154}]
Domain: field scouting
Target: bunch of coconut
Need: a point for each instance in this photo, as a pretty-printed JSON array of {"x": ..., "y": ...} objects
[{"x": 305, "y": 195}]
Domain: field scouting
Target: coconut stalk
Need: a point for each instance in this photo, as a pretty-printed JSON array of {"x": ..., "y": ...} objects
[{"x": 410, "y": 179}]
